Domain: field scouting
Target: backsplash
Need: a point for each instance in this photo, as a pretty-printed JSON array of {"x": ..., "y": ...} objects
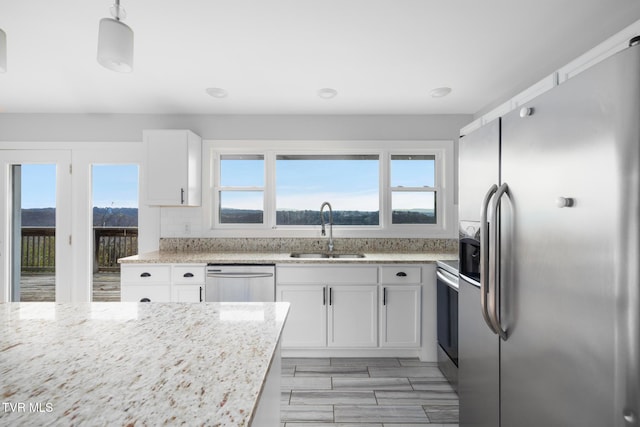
[{"x": 284, "y": 245}]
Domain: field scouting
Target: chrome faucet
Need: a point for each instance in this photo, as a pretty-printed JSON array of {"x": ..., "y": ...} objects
[{"x": 330, "y": 224}]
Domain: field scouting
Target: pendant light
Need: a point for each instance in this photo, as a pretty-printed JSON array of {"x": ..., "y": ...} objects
[
  {"x": 115, "y": 42},
  {"x": 3, "y": 52}
]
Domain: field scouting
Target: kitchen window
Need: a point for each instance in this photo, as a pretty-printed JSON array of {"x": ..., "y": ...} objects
[
  {"x": 413, "y": 191},
  {"x": 375, "y": 188},
  {"x": 241, "y": 190},
  {"x": 349, "y": 182}
]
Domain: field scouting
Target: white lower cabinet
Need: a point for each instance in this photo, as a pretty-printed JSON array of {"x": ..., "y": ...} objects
[
  {"x": 162, "y": 282},
  {"x": 353, "y": 316},
  {"x": 351, "y": 306},
  {"x": 145, "y": 282},
  {"x": 187, "y": 293},
  {"x": 187, "y": 282},
  {"x": 306, "y": 324},
  {"x": 400, "y": 316}
]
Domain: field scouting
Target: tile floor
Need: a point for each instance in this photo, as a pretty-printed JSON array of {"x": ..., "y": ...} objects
[{"x": 369, "y": 392}]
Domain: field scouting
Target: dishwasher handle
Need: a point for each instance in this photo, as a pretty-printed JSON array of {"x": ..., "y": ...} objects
[{"x": 239, "y": 275}]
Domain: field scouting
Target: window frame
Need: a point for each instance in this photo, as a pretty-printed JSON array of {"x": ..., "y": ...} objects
[
  {"x": 437, "y": 187},
  {"x": 444, "y": 183},
  {"x": 218, "y": 188}
]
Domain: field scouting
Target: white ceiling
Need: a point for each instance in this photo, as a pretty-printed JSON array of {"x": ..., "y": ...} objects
[{"x": 272, "y": 56}]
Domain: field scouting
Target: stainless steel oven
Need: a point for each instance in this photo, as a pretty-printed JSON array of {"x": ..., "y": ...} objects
[
  {"x": 240, "y": 283},
  {"x": 447, "y": 310}
]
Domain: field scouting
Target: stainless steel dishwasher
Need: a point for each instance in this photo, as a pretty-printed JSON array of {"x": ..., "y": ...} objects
[{"x": 240, "y": 283}]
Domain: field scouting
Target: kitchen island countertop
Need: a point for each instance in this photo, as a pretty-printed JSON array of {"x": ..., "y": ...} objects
[
  {"x": 136, "y": 363},
  {"x": 167, "y": 257}
]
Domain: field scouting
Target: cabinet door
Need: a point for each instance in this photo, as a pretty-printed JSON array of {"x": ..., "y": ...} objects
[
  {"x": 173, "y": 167},
  {"x": 306, "y": 324},
  {"x": 187, "y": 293},
  {"x": 400, "y": 316},
  {"x": 353, "y": 316}
]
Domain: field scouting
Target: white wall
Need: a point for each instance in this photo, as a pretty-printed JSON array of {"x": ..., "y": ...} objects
[{"x": 128, "y": 127}]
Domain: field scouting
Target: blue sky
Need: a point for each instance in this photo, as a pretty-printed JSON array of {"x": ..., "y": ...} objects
[{"x": 113, "y": 186}]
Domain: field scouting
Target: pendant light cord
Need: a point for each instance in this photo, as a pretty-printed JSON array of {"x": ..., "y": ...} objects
[{"x": 117, "y": 10}]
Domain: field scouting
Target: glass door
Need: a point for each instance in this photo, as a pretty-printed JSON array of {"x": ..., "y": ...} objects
[
  {"x": 114, "y": 225},
  {"x": 36, "y": 265}
]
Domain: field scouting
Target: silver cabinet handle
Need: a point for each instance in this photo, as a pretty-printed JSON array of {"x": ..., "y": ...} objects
[
  {"x": 182, "y": 196},
  {"x": 494, "y": 265},
  {"x": 484, "y": 256}
]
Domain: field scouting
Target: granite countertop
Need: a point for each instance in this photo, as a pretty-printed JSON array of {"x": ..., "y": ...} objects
[
  {"x": 198, "y": 257},
  {"x": 135, "y": 363}
]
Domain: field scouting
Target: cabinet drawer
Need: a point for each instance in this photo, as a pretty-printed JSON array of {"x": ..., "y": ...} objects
[
  {"x": 400, "y": 274},
  {"x": 186, "y": 274},
  {"x": 142, "y": 274},
  {"x": 155, "y": 293},
  {"x": 327, "y": 275}
]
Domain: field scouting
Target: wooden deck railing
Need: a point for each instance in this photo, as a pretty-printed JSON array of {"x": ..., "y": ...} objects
[
  {"x": 110, "y": 243},
  {"x": 38, "y": 248}
]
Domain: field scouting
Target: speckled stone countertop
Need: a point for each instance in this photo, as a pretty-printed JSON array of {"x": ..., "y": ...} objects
[
  {"x": 142, "y": 364},
  {"x": 282, "y": 258}
]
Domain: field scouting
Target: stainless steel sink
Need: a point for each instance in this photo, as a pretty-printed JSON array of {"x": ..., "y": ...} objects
[
  {"x": 309, "y": 255},
  {"x": 323, "y": 255}
]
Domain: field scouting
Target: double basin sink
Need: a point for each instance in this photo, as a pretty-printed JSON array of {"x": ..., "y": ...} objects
[{"x": 325, "y": 255}]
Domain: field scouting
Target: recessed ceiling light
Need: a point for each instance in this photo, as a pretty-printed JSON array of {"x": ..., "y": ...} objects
[
  {"x": 327, "y": 93},
  {"x": 439, "y": 92},
  {"x": 217, "y": 92}
]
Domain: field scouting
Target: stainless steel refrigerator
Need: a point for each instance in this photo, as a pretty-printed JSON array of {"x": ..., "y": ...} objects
[{"x": 550, "y": 257}]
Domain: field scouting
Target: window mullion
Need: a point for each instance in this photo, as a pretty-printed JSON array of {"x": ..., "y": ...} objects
[{"x": 270, "y": 190}]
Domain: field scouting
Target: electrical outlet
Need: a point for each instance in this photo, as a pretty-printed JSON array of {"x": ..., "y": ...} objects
[{"x": 187, "y": 228}]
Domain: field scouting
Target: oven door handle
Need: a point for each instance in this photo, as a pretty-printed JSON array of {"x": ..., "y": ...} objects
[
  {"x": 449, "y": 281},
  {"x": 239, "y": 275}
]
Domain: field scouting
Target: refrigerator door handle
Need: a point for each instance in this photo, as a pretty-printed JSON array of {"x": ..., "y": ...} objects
[
  {"x": 484, "y": 256},
  {"x": 494, "y": 302}
]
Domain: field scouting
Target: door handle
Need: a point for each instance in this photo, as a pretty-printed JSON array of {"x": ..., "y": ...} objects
[
  {"x": 484, "y": 256},
  {"x": 200, "y": 293},
  {"x": 384, "y": 296},
  {"x": 324, "y": 296},
  {"x": 182, "y": 196},
  {"x": 447, "y": 280},
  {"x": 494, "y": 264}
]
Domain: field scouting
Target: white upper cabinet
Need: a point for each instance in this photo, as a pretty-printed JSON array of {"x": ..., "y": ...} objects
[{"x": 173, "y": 167}]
